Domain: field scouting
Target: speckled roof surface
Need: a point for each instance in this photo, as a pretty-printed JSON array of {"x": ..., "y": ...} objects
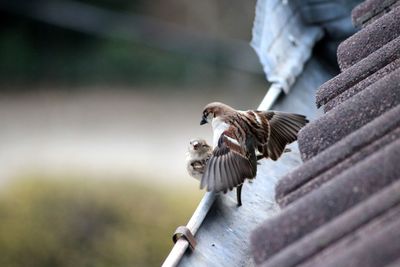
[{"x": 341, "y": 207}]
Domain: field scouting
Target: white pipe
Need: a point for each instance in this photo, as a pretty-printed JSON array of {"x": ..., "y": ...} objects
[
  {"x": 270, "y": 97},
  {"x": 194, "y": 224}
]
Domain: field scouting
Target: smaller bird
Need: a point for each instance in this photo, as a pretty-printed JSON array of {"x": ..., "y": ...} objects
[{"x": 197, "y": 157}]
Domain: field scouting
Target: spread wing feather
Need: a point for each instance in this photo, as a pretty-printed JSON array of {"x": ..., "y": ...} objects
[
  {"x": 229, "y": 166},
  {"x": 284, "y": 129}
]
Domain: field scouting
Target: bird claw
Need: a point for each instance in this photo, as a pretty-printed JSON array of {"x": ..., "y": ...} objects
[{"x": 239, "y": 195}]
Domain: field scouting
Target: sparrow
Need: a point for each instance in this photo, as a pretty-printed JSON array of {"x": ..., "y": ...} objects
[
  {"x": 197, "y": 157},
  {"x": 237, "y": 136}
]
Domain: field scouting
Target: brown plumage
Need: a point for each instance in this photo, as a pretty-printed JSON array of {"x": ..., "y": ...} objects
[
  {"x": 197, "y": 157},
  {"x": 237, "y": 137}
]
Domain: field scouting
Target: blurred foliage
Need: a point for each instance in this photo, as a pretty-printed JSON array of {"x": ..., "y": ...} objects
[
  {"x": 33, "y": 51},
  {"x": 36, "y": 52},
  {"x": 74, "y": 222},
  {"x": 120, "y": 5}
]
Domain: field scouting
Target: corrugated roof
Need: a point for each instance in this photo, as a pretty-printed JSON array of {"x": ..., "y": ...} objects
[{"x": 341, "y": 207}]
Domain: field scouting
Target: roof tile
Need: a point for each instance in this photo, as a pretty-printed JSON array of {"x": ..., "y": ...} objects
[
  {"x": 356, "y": 73},
  {"x": 330, "y": 200},
  {"x": 370, "y": 10},
  {"x": 371, "y": 38},
  {"x": 355, "y": 147},
  {"x": 362, "y": 84},
  {"x": 375, "y": 210},
  {"x": 350, "y": 115},
  {"x": 373, "y": 249},
  {"x": 395, "y": 263}
]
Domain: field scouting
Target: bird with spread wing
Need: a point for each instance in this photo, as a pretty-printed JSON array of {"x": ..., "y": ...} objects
[{"x": 237, "y": 136}]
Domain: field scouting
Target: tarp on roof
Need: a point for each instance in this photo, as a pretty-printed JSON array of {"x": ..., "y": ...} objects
[{"x": 283, "y": 42}]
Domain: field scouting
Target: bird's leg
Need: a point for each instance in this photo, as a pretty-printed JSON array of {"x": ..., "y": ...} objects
[{"x": 239, "y": 195}]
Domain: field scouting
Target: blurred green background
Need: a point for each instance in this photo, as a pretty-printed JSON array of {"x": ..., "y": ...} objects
[
  {"x": 76, "y": 221},
  {"x": 98, "y": 101}
]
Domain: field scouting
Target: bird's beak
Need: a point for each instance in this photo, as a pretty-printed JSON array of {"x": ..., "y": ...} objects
[{"x": 203, "y": 120}]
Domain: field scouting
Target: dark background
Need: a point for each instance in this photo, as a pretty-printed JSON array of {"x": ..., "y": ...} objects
[{"x": 98, "y": 101}]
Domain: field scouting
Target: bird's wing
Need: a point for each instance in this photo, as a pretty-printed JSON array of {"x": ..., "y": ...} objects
[
  {"x": 230, "y": 164},
  {"x": 284, "y": 129}
]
